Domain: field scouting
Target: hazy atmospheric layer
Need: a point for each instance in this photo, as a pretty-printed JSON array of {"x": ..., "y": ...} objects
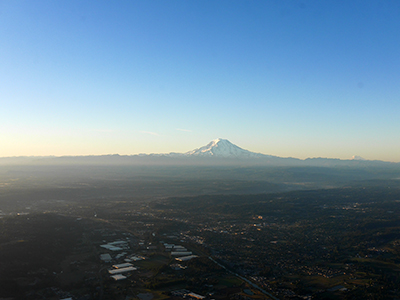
[{"x": 218, "y": 152}]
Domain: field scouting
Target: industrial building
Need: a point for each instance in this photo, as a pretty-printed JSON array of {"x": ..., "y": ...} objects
[
  {"x": 118, "y": 277},
  {"x": 185, "y": 258},
  {"x": 122, "y": 270},
  {"x": 179, "y": 253},
  {"x": 120, "y": 266}
]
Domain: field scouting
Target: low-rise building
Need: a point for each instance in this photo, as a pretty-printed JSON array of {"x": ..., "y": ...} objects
[
  {"x": 185, "y": 258},
  {"x": 105, "y": 257},
  {"x": 175, "y": 253},
  {"x": 118, "y": 277},
  {"x": 122, "y": 270},
  {"x": 120, "y": 266}
]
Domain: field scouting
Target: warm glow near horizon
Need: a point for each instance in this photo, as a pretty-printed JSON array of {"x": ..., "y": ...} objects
[
  {"x": 318, "y": 79},
  {"x": 302, "y": 152}
]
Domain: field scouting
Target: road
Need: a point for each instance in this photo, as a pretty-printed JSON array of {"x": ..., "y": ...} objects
[{"x": 245, "y": 279}]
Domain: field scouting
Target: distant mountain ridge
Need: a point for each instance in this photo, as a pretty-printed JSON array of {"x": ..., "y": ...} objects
[
  {"x": 223, "y": 148},
  {"x": 222, "y": 151},
  {"x": 217, "y": 152}
]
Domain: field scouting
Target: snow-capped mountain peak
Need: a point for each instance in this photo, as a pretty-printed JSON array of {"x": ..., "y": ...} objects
[
  {"x": 222, "y": 148},
  {"x": 356, "y": 157}
]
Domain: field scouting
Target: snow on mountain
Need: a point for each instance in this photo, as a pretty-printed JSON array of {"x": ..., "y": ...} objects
[
  {"x": 223, "y": 148},
  {"x": 356, "y": 157}
]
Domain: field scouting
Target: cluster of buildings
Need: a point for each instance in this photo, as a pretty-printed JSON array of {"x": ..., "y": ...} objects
[
  {"x": 121, "y": 248},
  {"x": 181, "y": 253},
  {"x": 116, "y": 246},
  {"x": 119, "y": 271},
  {"x": 187, "y": 294}
]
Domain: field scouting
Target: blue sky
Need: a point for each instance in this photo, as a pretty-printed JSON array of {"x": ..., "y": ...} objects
[{"x": 287, "y": 78}]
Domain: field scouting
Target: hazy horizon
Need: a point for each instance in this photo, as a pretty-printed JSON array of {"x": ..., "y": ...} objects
[
  {"x": 290, "y": 79},
  {"x": 355, "y": 157}
]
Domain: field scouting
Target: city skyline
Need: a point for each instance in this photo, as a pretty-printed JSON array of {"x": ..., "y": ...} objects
[{"x": 290, "y": 79}]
